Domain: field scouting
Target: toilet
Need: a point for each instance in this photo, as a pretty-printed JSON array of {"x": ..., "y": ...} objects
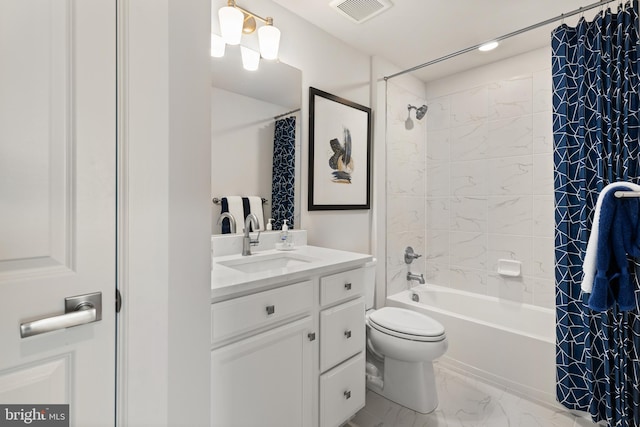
[{"x": 401, "y": 347}]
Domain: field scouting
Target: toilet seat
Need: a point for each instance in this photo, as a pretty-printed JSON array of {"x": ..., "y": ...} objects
[{"x": 406, "y": 324}]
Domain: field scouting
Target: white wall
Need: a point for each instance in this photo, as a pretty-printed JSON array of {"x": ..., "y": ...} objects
[
  {"x": 490, "y": 179},
  {"x": 164, "y": 212}
]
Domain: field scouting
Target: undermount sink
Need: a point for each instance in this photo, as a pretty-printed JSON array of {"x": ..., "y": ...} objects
[{"x": 260, "y": 263}]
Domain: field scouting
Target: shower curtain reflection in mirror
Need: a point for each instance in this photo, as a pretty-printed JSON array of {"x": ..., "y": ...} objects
[{"x": 283, "y": 187}]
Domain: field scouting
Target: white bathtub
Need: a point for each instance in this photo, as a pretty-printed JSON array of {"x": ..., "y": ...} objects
[{"x": 500, "y": 341}]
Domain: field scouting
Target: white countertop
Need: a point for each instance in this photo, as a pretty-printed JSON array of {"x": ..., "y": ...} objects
[{"x": 227, "y": 282}]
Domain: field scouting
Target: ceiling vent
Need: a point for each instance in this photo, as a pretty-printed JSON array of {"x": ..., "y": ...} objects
[{"x": 360, "y": 10}]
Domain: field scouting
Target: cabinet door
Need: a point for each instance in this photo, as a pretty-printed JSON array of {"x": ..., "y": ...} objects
[
  {"x": 265, "y": 380},
  {"x": 342, "y": 333},
  {"x": 342, "y": 391}
]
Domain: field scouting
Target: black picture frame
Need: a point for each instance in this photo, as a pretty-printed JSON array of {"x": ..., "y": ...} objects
[{"x": 339, "y": 153}]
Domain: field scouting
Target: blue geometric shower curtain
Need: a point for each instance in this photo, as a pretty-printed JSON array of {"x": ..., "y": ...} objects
[
  {"x": 284, "y": 163},
  {"x": 595, "y": 127}
]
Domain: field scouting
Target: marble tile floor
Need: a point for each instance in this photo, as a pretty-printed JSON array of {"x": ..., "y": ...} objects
[{"x": 467, "y": 402}]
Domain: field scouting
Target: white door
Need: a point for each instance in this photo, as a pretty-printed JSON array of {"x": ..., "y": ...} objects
[{"x": 57, "y": 203}]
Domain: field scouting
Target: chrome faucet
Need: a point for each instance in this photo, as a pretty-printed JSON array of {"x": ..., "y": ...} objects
[
  {"x": 418, "y": 277},
  {"x": 232, "y": 221},
  {"x": 247, "y": 241}
]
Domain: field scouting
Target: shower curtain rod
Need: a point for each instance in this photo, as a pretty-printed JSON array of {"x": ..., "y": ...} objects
[
  {"x": 286, "y": 114},
  {"x": 504, "y": 37}
]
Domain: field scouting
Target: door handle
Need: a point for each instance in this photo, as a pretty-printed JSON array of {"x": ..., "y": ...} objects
[{"x": 78, "y": 310}]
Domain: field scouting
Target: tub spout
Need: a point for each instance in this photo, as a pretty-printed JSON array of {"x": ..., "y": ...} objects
[{"x": 418, "y": 277}]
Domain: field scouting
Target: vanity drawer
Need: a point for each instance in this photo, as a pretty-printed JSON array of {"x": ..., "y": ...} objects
[
  {"x": 239, "y": 315},
  {"x": 341, "y": 286},
  {"x": 342, "y": 392},
  {"x": 342, "y": 333}
]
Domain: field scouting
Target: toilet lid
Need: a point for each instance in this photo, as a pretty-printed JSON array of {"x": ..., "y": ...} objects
[{"x": 406, "y": 322}]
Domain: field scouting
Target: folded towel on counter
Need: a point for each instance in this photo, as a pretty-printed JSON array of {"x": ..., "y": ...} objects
[
  {"x": 618, "y": 235},
  {"x": 240, "y": 208},
  {"x": 589, "y": 264}
]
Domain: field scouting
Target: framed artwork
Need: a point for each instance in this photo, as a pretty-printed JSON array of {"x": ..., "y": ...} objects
[{"x": 339, "y": 153}]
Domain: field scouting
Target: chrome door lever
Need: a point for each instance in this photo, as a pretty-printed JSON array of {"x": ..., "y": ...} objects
[{"x": 79, "y": 310}]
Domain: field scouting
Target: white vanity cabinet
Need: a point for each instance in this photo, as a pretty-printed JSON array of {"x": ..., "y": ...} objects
[
  {"x": 265, "y": 379},
  {"x": 288, "y": 348},
  {"x": 342, "y": 345}
]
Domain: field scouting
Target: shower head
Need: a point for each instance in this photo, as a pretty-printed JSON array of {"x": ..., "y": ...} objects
[{"x": 420, "y": 111}]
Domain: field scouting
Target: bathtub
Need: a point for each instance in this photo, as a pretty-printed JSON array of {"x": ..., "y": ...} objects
[{"x": 506, "y": 343}]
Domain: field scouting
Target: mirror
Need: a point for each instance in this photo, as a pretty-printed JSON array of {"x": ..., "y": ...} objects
[{"x": 244, "y": 107}]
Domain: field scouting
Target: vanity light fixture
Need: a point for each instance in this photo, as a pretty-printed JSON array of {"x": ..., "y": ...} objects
[
  {"x": 231, "y": 20},
  {"x": 250, "y": 58},
  {"x": 488, "y": 46},
  {"x": 217, "y": 46},
  {"x": 235, "y": 21},
  {"x": 269, "y": 39}
]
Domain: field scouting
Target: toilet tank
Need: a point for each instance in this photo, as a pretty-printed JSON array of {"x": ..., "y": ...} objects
[{"x": 370, "y": 283}]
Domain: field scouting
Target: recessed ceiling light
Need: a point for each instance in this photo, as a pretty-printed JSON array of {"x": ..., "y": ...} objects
[{"x": 488, "y": 46}]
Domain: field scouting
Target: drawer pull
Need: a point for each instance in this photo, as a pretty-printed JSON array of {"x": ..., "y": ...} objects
[
  {"x": 347, "y": 333},
  {"x": 311, "y": 336},
  {"x": 347, "y": 394},
  {"x": 271, "y": 309},
  {"x": 347, "y": 286}
]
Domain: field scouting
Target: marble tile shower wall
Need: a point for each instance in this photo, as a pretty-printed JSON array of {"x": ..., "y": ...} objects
[
  {"x": 489, "y": 189},
  {"x": 406, "y": 185}
]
